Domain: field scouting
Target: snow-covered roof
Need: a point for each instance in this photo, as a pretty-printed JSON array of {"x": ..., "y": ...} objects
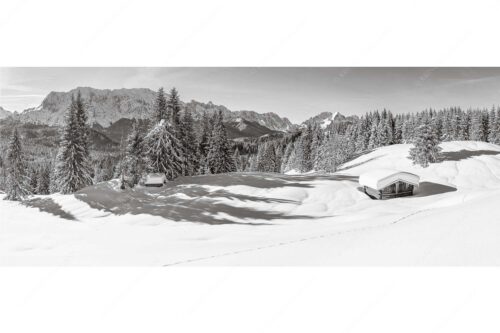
[
  {"x": 155, "y": 178},
  {"x": 380, "y": 178}
]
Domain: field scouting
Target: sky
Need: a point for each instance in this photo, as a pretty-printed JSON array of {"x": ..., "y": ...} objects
[{"x": 297, "y": 93}]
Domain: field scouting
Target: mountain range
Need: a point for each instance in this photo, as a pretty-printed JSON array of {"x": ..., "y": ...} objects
[{"x": 109, "y": 110}]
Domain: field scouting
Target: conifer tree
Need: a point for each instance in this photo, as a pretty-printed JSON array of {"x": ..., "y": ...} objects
[
  {"x": 304, "y": 152},
  {"x": 426, "y": 145},
  {"x": 204, "y": 142},
  {"x": 237, "y": 160},
  {"x": 73, "y": 171},
  {"x": 135, "y": 157},
  {"x": 44, "y": 180},
  {"x": 267, "y": 161},
  {"x": 33, "y": 176},
  {"x": 83, "y": 128},
  {"x": 174, "y": 109},
  {"x": 328, "y": 162},
  {"x": 447, "y": 129},
  {"x": 463, "y": 127},
  {"x": 190, "y": 161},
  {"x": 252, "y": 163},
  {"x": 316, "y": 142},
  {"x": 219, "y": 157},
  {"x": 17, "y": 182},
  {"x": 160, "y": 107},
  {"x": 293, "y": 163},
  {"x": 374, "y": 136},
  {"x": 398, "y": 130},
  {"x": 163, "y": 151},
  {"x": 493, "y": 126},
  {"x": 286, "y": 157},
  {"x": 477, "y": 127}
]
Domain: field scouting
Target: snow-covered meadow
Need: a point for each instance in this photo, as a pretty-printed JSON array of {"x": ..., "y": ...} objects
[{"x": 272, "y": 219}]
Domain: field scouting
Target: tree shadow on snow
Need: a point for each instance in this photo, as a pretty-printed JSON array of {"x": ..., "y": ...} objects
[
  {"x": 464, "y": 154},
  {"x": 187, "y": 199},
  {"x": 426, "y": 189},
  {"x": 48, "y": 205}
]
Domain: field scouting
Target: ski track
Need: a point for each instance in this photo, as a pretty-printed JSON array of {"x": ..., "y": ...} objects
[{"x": 295, "y": 241}]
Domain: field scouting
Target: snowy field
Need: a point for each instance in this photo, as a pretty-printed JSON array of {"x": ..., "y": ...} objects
[{"x": 269, "y": 219}]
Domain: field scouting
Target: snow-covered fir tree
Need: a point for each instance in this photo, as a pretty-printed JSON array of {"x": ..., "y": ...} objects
[
  {"x": 237, "y": 160},
  {"x": 477, "y": 132},
  {"x": 286, "y": 157},
  {"x": 191, "y": 159},
  {"x": 174, "y": 109},
  {"x": 82, "y": 123},
  {"x": 135, "y": 161},
  {"x": 160, "y": 107},
  {"x": 495, "y": 128},
  {"x": 426, "y": 145},
  {"x": 374, "y": 135},
  {"x": 73, "y": 170},
  {"x": 17, "y": 185},
  {"x": 304, "y": 150},
  {"x": 163, "y": 151},
  {"x": 328, "y": 161},
  {"x": 267, "y": 160},
  {"x": 292, "y": 162},
  {"x": 33, "y": 175},
  {"x": 316, "y": 142},
  {"x": 43, "y": 184},
  {"x": 493, "y": 125},
  {"x": 205, "y": 130},
  {"x": 219, "y": 157},
  {"x": 463, "y": 127}
]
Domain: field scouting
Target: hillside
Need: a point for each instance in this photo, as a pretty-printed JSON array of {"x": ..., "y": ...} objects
[{"x": 271, "y": 219}]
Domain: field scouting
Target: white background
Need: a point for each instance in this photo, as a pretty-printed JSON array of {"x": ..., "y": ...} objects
[{"x": 254, "y": 33}]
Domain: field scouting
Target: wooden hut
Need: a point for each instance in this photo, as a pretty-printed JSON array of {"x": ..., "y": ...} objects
[
  {"x": 155, "y": 180},
  {"x": 388, "y": 183}
]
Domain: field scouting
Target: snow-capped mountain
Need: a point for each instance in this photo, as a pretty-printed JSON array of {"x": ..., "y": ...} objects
[
  {"x": 270, "y": 120},
  {"x": 106, "y": 107},
  {"x": 4, "y": 113},
  {"x": 324, "y": 119},
  {"x": 242, "y": 128}
]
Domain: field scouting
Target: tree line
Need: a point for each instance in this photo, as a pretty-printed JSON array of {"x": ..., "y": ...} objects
[{"x": 324, "y": 149}]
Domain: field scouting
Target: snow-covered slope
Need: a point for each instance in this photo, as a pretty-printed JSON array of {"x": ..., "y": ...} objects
[
  {"x": 464, "y": 164},
  {"x": 269, "y": 219},
  {"x": 108, "y": 106}
]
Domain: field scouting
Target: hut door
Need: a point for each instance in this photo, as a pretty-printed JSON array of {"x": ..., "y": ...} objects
[{"x": 397, "y": 187}]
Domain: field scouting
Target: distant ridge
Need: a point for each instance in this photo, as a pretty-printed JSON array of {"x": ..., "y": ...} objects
[{"x": 106, "y": 107}]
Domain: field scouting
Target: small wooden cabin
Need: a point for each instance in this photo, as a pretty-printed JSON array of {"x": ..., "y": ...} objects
[
  {"x": 155, "y": 180},
  {"x": 388, "y": 183}
]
